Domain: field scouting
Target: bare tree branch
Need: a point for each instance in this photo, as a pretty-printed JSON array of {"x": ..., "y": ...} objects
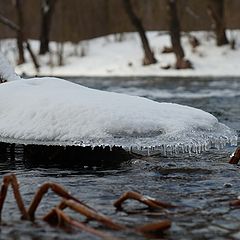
[{"x": 7, "y": 22}]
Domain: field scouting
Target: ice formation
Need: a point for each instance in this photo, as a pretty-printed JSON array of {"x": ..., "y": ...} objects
[{"x": 57, "y": 112}]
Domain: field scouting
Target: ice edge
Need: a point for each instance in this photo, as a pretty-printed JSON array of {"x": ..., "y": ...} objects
[{"x": 161, "y": 149}]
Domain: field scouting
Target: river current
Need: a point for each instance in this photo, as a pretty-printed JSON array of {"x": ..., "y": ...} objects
[{"x": 200, "y": 184}]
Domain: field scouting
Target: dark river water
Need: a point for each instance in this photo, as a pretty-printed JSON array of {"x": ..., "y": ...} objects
[{"x": 200, "y": 185}]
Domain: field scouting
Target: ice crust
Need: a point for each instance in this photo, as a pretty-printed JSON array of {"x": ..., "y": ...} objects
[{"x": 53, "y": 111}]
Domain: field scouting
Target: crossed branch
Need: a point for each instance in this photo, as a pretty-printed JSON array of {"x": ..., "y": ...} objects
[{"x": 57, "y": 216}]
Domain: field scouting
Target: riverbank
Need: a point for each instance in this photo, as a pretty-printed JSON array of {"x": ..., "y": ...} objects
[{"x": 116, "y": 55}]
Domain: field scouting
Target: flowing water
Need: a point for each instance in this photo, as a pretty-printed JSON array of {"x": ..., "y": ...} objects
[{"x": 201, "y": 184}]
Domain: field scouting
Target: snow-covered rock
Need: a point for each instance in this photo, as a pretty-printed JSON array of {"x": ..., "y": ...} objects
[
  {"x": 59, "y": 112},
  {"x": 54, "y": 111}
]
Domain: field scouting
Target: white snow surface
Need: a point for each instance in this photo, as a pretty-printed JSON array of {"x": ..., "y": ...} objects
[
  {"x": 104, "y": 56},
  {"x": 54, "y": 111}
]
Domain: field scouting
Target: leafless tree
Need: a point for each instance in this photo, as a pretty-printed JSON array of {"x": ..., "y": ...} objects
[
  {"x": 25, "y": 42},
  {"x": 136, "y": 22},
  {"x": 216, "y": 12},
  {"x": 175, "y": 33},
  {"x": 47, "y": 9}
]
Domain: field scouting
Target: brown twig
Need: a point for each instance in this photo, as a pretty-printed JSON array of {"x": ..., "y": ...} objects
[
  {"x": 156, "y": 226},
  {"x": 11, "y": 179},
  {"x": 234, "y": 159},
  {"x": 235, "y": 203},
  {"x": 58, "y": 218},
  {"x": 150, "y": 202},
  {"x": 91, "y": 214},
  {"x": 58, "y": 189}
]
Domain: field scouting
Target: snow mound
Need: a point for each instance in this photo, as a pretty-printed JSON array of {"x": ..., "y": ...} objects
[{"x": 57, "y": 112}]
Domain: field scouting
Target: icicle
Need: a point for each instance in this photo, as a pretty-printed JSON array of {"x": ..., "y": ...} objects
[
  {"x": 164, "y": 150},
  {"x": 126, "y": 148}
]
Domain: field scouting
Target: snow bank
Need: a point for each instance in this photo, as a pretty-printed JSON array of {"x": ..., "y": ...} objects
[
  {"x": 54, "y": 111},
  {"x": 105, "y": 56}
]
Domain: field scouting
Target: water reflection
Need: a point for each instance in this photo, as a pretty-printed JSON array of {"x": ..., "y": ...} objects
[{"x": 86, "y": 158}]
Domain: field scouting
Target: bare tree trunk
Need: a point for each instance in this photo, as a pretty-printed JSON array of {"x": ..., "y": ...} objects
[
  {"x": 20, "y": 38},
  {"x": 16, "y": 28},
  {"x": 216, "y": 12},
  {"x": 34, "y": 59},
  {"x": 181, "y": 62},
  {"x": 149, "y": 56},
  {"x": 47, "y": 9},
  {"x": 60, "y": 50}
]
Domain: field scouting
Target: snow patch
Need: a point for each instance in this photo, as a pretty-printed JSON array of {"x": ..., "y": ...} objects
[{"x": 104, "y": 56}]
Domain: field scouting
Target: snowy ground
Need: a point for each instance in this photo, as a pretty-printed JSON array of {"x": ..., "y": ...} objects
[{"x": 105, "y": 56}]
